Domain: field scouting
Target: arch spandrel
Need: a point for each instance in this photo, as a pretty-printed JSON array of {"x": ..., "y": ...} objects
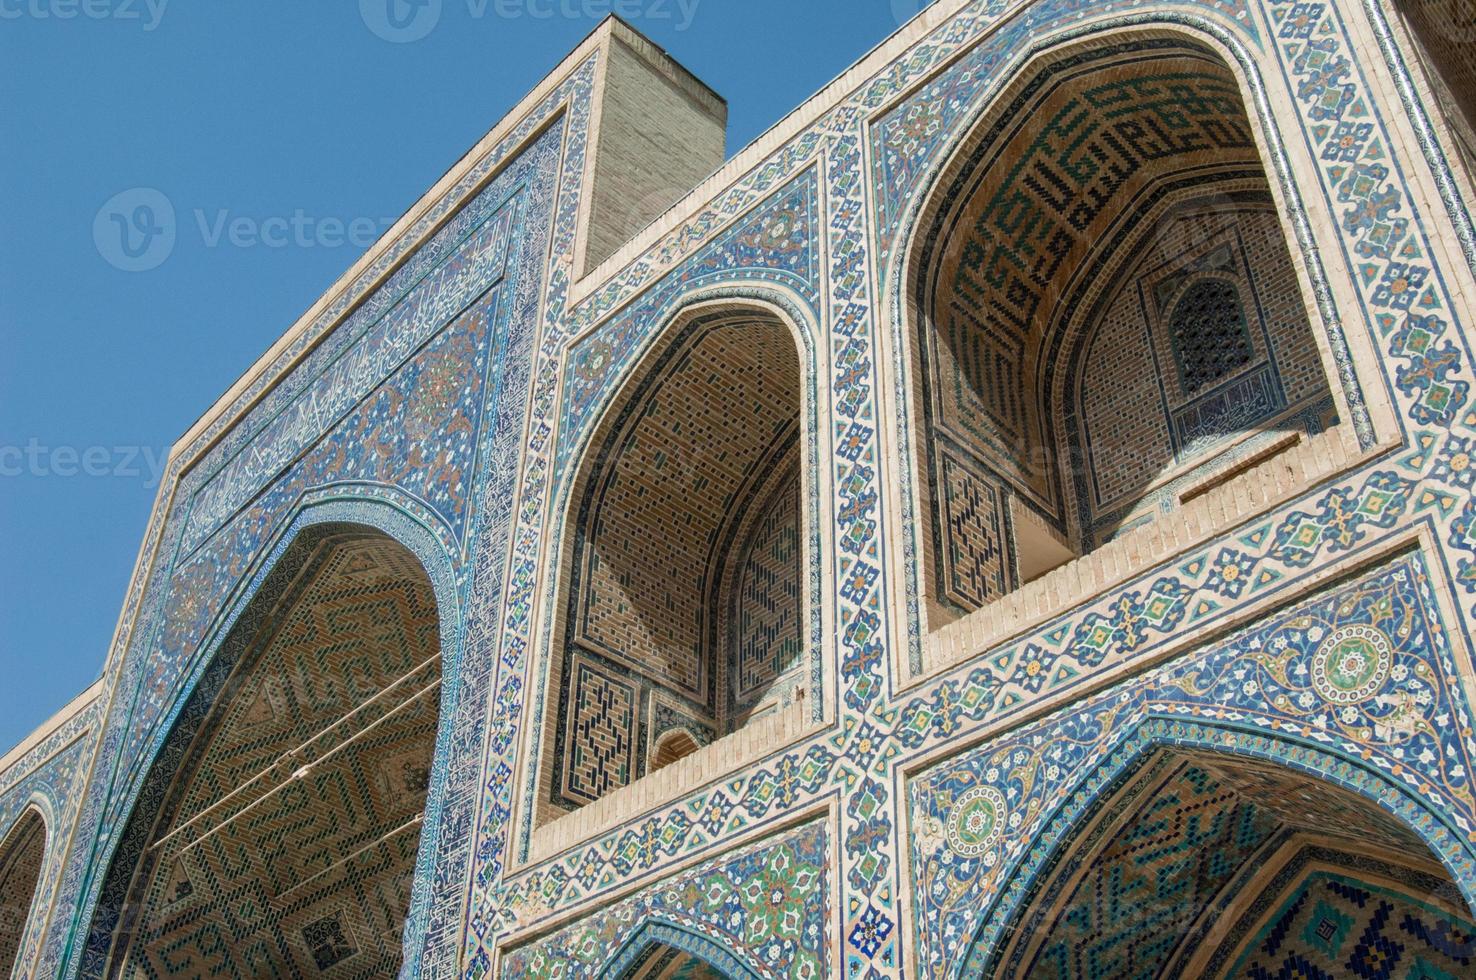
[
  {"x": 1353, "y": 688},
  {"x": 760, "y": 910}
]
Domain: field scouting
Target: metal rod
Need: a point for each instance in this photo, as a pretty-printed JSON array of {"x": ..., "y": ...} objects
[
  {"x": 295, "y": 754},
  {"x": 413, "y": 822},
  {"x": 301, "y": 773}
]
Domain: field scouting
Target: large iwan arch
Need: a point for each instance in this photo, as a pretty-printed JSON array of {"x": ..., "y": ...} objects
[
  {"x": 1204, "y": 863},
  {"x": 291, "y": 794},
  {"x": 1105, "y": 317}
]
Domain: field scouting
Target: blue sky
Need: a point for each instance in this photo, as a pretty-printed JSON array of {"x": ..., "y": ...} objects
[{"x": 269, "y": 109}]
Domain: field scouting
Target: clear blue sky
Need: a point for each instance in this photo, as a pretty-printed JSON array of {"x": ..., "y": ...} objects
[{"x": 270, "y": 108}]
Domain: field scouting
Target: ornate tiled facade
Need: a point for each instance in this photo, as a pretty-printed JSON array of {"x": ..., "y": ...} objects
[
  {"x": 1034, "y": 480},
  {"x": 305, "y": 855}
]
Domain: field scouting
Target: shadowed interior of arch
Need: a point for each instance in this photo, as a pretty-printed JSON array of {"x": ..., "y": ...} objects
[
  {"x": 22, "y": 853},
  {"x": 683, "y": 608},
  {"x": 1209, "y": 865},
  {"x": 284, "y": 836},
  {"x": 1444, "y": 32},
  {"x": 1108, "y": 316}
]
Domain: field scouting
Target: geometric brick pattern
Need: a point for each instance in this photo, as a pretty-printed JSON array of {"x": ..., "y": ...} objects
[
  {"x": 686, "y": 586},
  {"x": 601, "y": 720},
  {"x": 674, "y": 479},
  {"x": 1384, "y": 241},
  {"x": 22, "y": 853},
  {"x": 1143, "y": 890},
  {"x": 1336, "y": 925},
  {"x": 300, "y": 810},
  {"x": 977, "y": 555},
  {"x": 764, "y": 611},
  {"x": 1037, "y": 212},
  {"x": 1046, "y": 369},
  {"x": 1144, "y": 428},
  {"x": 1046, "y": 186},
  {"x": 1184, "y": 840}
]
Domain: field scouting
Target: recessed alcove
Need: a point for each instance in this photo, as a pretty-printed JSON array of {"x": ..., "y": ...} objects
[
  {"x": 278, "y": 833},
  {"x": 683, "y": 606},
  {"x": 1206, "y": 864},
  {"x": 1107, "y": 321}
]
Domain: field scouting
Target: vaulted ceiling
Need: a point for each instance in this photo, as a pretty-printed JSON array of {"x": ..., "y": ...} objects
[
  {"x": 1057, "y": 176},
  {"x": 1201, "y": 865},
  {"x": 292, "y": 842}
]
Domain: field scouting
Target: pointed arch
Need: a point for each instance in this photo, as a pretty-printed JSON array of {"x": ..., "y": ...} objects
[
  {"x": 990, "y": 521},
  {"x": 335, "y": 531},
  {"x": 653, "y": 943},
  {"x": 1080, "y": 826},
  {"x": 687, "y": 580},
  {"x": 23, "y": 850}
]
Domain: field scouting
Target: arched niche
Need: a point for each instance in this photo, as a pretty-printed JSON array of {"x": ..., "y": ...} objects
[
  {"x": 1106, "y": 317},
  {"x": 682, "y": 606},
  {"x": 1202, "y": 863},
  {"x": 22, "y": 854},
  {"x": 663, "y": 951},
  {"x": 278, "y": 829}
]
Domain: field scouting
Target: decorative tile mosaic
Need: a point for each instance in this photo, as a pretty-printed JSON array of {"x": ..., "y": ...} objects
[
  {"x": 391, "y": 440},
  {"x": 1336, "y": 925},
  {"x": 762, "y": 912},
  {"x": 1380, "y": 505},
  {"x": 1146, "y": 887},
  {"x": 255, "y": 847},
  {"x": 1148, "y": 884},
  {"x": 48, "y": 780},
  {"x": 817, "y": 229},
  {"x": 1363, "y": 673}
]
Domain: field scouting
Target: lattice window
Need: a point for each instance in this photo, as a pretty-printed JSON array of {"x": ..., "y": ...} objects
[{"x": 1209, "y": 333}]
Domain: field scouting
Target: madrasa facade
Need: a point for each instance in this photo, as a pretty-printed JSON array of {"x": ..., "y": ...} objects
[{"x": 1014, "y": 519}]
